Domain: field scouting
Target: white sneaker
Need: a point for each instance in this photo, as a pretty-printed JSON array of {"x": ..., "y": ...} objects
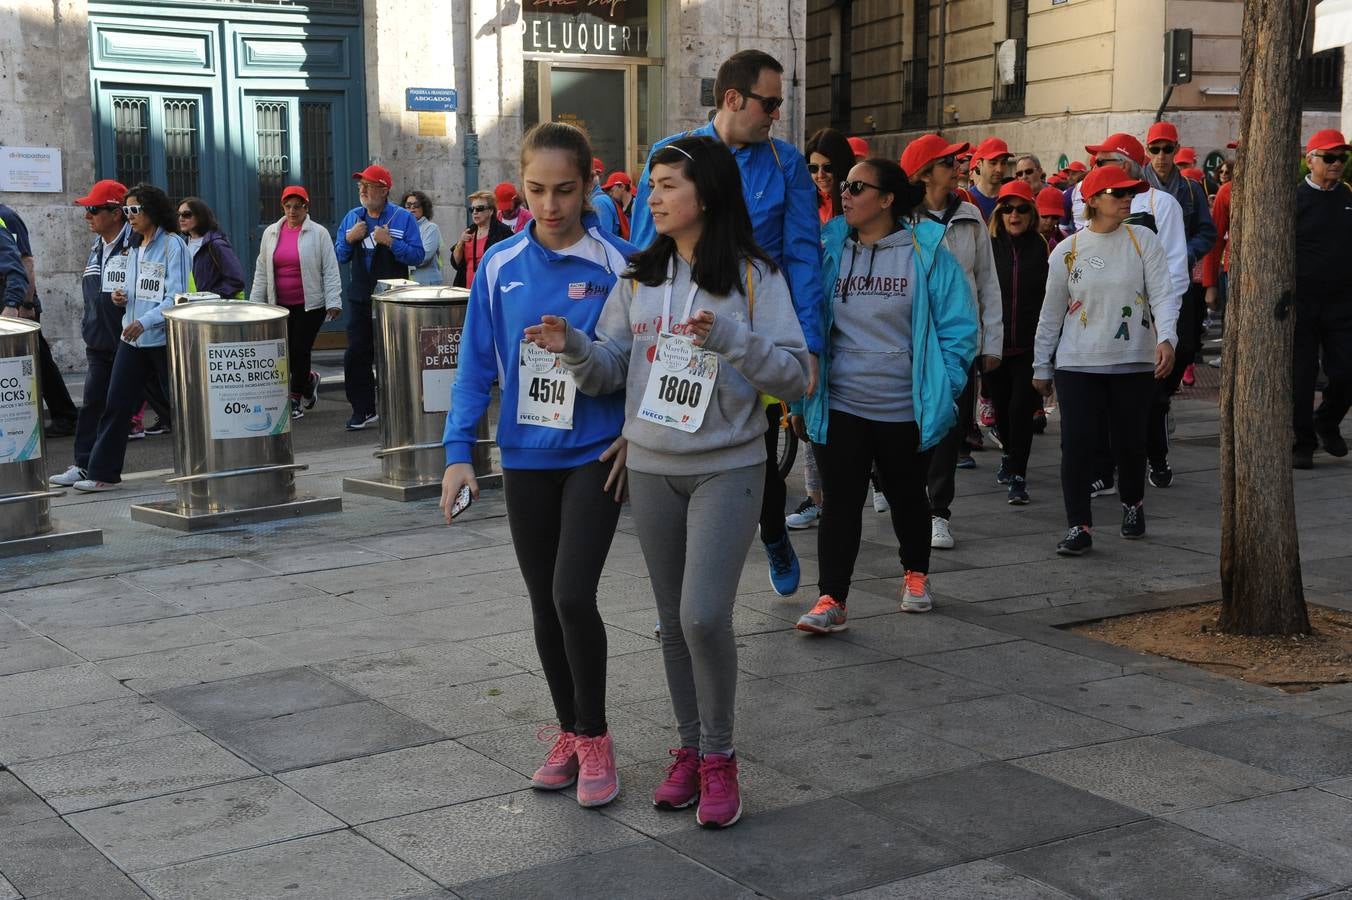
[
  {"x": 90, "y": 486},
  {"x": 880, "y": 504},
  {"x": 805, "y": 516},
  {"x": 915, "y": 595},
  {"x": 940, "y": 537},
  {"x": 69, "y": 477}
]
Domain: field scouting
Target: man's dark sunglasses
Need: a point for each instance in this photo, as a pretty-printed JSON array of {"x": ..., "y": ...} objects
[
  {"x": 95, "y": 210},
  {"x": 769, "y": 104},
  {"x": 949, "y": 161},
  {"x": 1157, "y": 149},
  {"x": 1022, "y": 173},
  {"x": 855, "y": 188},
  {"x": 478, "y": 209},
  {"x": 814, "y": 168},
  {"x": 1022, "y": 209},
  {"x": 1332, "y": 159}
]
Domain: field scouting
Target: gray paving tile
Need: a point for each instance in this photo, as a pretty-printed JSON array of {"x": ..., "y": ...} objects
[
  {"x": 428, "y": 542},
  {"x": 518, "y": 647},
  {"x": 318, "y": 558},
  {"x": 11, "y": 629},
  {"x": 207, "y": 571},
  {"x": 381, "y": 634},
  {"x": 980, "y": 880},
  {"x": 221, "y": 704},
  {"x": 403, "y": 781},
  {"x": 19, "y": 805},
  {"x": 994, "y": 808},
  {"x": 523, "y": 747},
  {"x": 402, "y": 592},
  {"x": 1307, "y": 830},
  {"x": 148, "y": 768},
  {"x": 665, "y": 876},
  {"x": 151, "y": 672},
  {"x": 49, "y": 859},
  {"x": 788, "y": 652},
  {"x": 226, "y": 595},
  {"x": 8, "y": 891},
  {"x": 471, "y": 621},
  {"x": 55, "y": 688},
  {"x": 636, "y": 677},
  {"x": 288, "y": 615},
  {"x": 1020, "y": 666},
  {"x": 163, "y": 831},
  {"x": 1145, "y": 703},
  {"x": 897, "y": 634},
  {"x": 861, "y": 754},
  {"x": 497, "y": 836},
  {"x": 110, "y": 641},
  {"x": 1288, "y": 745},
  {"x": 1340, "y": 786},
  {"x": 418, "y": 669},
  {"x": 115, "y": 604},
  {"x": 1156, "y": 775},
  {"x": 783, "y": 853},
  {"x": 328, "y": 734},
  {"x": 1010, "y": 725},
  {"x": 1157, "y": 860},
  {"x": 766, "y": 708},
  {"x": 89, "y": 726},
  {"x": 884, "y": 687},
  {"x": 33, "y": 654},
  {"x": 322, "y": 867},
  {"x": 481, "y": 706}
]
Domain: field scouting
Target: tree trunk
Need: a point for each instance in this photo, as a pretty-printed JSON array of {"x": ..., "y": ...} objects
[{"x": 1261, "y": 584}]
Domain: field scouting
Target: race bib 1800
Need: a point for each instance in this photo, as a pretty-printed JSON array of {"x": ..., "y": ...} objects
[{"x": 680, "y": 384}]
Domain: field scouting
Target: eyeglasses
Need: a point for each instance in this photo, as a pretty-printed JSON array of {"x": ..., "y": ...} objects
[
  {"x": 412, "y": 204},
  {"x": 1117, "y": 192},
  {"x": 132, "y": 210},
  {"x": 814, "y": 168},
  {"x": 1100, "y": 162},
  {"x": 1162, "y": 149},
  {"x": 947, "y": 161},
  {"x": 478, "y": 209},
  {"x": 855, "y": 188},
  {"x": 371, "y": 186},
  {"x": 769, "y": 104},
  {"x": 1024, "y": 173},
  {"x": 1332, "y": 159},
  {"x": 185, "y": 214},
  {"x": 1022, "y": 209}
]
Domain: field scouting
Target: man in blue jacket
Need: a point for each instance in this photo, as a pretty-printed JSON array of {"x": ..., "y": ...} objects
[
  {"x": 380, "y": 240},
  {"x": 782, "y": 201}
]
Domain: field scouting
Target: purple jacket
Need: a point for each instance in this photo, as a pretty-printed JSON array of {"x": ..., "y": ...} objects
[{"x": 216, "y": 268}]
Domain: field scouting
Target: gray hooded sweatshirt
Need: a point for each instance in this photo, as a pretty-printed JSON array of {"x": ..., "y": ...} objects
[{"x": 763, "y": 352}]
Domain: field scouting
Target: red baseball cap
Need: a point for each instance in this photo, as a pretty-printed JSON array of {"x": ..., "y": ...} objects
[
  {"x": 1195, "y": 174},
  {"x": 505, "y": 194},
  {"x": 1327, "y": 139},
  {"x": 1120, "y": 143},
  {"x": 1105, "y": 177},
  {"x": 1051, "y": 202},
  {"x": 1161, "y": 131},
  {"x": 295, "y": 190},
  {"x": 1057, "y": 179},
  {"x": 617, "y": 178},
  {"x": 1186, "y": 156},
  {"x": 860, "y": 147},
  {"x": 597, "y": 165},
  {"x": 1233, "y": 145},
  {"x": 926, "y": 149},
  {"x": 104, "y": 193},
  {"x": 1016, "y": 188},
  {"x": 991, "y": 148},
  {"x": 376, "y": 174},
  {"x": 1077, "y": 166}
]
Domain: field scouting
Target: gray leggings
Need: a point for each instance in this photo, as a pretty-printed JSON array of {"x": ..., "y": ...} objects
[{"x": 695, "y": 531}]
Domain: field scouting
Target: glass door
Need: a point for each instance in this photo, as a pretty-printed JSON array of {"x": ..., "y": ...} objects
[{"x": 599, "y": 99}]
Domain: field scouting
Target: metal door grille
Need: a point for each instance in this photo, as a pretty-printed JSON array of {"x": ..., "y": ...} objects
[
  {"x": 131, "y": 139},
  {"x": 272, "y": 127},
  {"x": 316, "y": 153},
  {"x": 181, "y": 155}
]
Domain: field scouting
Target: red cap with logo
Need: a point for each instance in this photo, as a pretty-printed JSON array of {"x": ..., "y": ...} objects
[
  {"x": 1327, "y": 139},
  {"x": 991, "y": 148},
  {"x": 1186, "y": 156},
  {"x": 104, "y": 193},
  {"x": 1161, "y": 131},
  {"x": 1105, "y": 177},
  {"x": 1016, "y": 189},
  {"x": 926, "y": 149},
  {"x": 376, "y": 174},
  {"x": 859, "y": 146},
  {"x": 295, "y": 190},
  {"x": 1122, "y": 144},
  {"x": 617, "y": 178},
  {"x": 1051, "y": 202},
  {"x": 505, "y": 195}
]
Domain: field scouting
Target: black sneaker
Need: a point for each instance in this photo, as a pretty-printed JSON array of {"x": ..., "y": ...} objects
[
  {"x": 361, "y": 420},
  {"x": 1077, "y": 541},
  {"x": 1002, "y": 476},
  {"x": 965, "y": 461},
  {"x": 65, "y": 428},
  {"x": 312, "y": 395},
  {"x": 159, "y": 426},
  {"x": 1133, "y": 521},
  {"x": 1018, "y": 491},
  {"x": 1161, "y": 476},
  {"x": 1302, "y": 459},
  {"x": 1101, "y": 488},
  {"x": 1333, "y": 442}
]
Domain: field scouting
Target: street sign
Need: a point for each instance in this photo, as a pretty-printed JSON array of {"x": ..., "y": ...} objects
[{"x": 430, "y": 99}]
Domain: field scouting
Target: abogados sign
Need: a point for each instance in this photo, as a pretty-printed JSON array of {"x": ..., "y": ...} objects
[{"x": 597, "y": 27}]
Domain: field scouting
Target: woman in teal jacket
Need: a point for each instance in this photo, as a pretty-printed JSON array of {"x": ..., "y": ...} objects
[{"x": 901, "y": 336}]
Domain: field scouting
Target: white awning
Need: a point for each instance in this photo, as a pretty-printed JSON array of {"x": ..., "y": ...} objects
[{"x": 1332, "y": 24}]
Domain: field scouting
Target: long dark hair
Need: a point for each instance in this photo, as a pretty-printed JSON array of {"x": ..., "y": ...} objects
[
  {"x": 833, "y": 145},
  {"x": 727, "y": 237},
  {"x": 156, "y": 206},
  {"x": 202, "y": 214},
  {"x": 892, "y": 179}
]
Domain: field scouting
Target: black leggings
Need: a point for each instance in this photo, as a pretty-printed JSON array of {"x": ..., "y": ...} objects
[
  {"x": 302, "y": 326},
  {"x": 562, "y": 523},
  {"x": 853, "y": 445},
  {"x": 1015, "y": 400},
  {"x": 1091, "y": 402},
  {"x": 772, "y": 501}
]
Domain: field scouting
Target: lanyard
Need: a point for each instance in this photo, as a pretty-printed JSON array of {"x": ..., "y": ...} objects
[{"x": 666, "y": 298}]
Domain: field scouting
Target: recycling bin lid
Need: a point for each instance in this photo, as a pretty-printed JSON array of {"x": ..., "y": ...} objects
[
  {"x": 228, "y": 312},
  {"x": 9, "y": 326},
  {"x": 424, "y": 295}
]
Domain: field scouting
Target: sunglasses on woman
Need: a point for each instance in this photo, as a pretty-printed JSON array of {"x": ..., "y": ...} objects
[
  {"x": 132, "y": 210},
  {"x": 855, "y": 188},
  {"x": 1117, "y": 192},
  {"x": 1022, "y": 209},
  {"x": 185, "y": 214},
  {"x": 814, "y": 168},
  {"x": 478, "y": 209}
]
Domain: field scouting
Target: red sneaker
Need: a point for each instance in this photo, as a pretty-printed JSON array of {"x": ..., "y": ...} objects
[
  {"x": 1189, "y": 376},
  {"x": 560, "y": 766},
  {"x": 720, "y": 800},
  {"x": 597, "y": 781},
  {"x": 681, "y": 786}
]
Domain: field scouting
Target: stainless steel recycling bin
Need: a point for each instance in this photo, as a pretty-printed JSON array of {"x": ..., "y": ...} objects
[
  {"x": 233, "y": 459},
  {"x": 26, "y": 524},
  {"x": 418, "y": 331}
]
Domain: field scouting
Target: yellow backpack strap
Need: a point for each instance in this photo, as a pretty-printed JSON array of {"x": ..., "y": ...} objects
[
  {"x": 775, "y": 151},
  {"x": 1134, "y": 242},
  {"x": 1070, "y": 257}
]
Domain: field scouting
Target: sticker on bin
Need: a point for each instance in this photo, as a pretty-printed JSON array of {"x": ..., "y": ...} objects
[
  {"x": 20, "y": 411},
  {"x": 247, "y": 389},
  {"x": 439, "y": 346}
]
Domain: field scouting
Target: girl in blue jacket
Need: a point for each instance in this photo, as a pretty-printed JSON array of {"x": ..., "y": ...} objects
[
  {"x": 562, "y": 455},
  {"x": 901, "y": 337}
]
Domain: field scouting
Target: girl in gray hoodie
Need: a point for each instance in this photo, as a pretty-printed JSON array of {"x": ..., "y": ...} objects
[{"x": 700, "y": 328}]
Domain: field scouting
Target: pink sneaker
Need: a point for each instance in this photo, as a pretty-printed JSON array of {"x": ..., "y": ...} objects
[
  {"x": 720, "y": 800},
  {"x": 560, "y": 767},
  {"x": 597, "y": 781},
  {"x": 681, "y": 786}
]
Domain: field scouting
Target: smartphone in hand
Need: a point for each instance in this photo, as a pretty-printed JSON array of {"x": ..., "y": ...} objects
[{"x": 462, "y": 501}]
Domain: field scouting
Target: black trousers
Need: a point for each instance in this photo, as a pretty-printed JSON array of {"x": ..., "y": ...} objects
[
  {"x": 99, "y": 373},
  {"x": 1090, "y": 402},
  {"x": 772, "y": 501},
  {"x": 302, "y": 327},
  {"x": 359, "y": 377},
  {"x": 54, "y": 391},
  {"x": 133, "y": 369},
  {"x": 562, "y": 523},
  {"x": 853, "y": 445},
  {"x": 1323, "y": 334},
  {"x": 1189, "y": 328},
  {"x": 944, "y": 458},
  {"x": 1015, "y": 400}
]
